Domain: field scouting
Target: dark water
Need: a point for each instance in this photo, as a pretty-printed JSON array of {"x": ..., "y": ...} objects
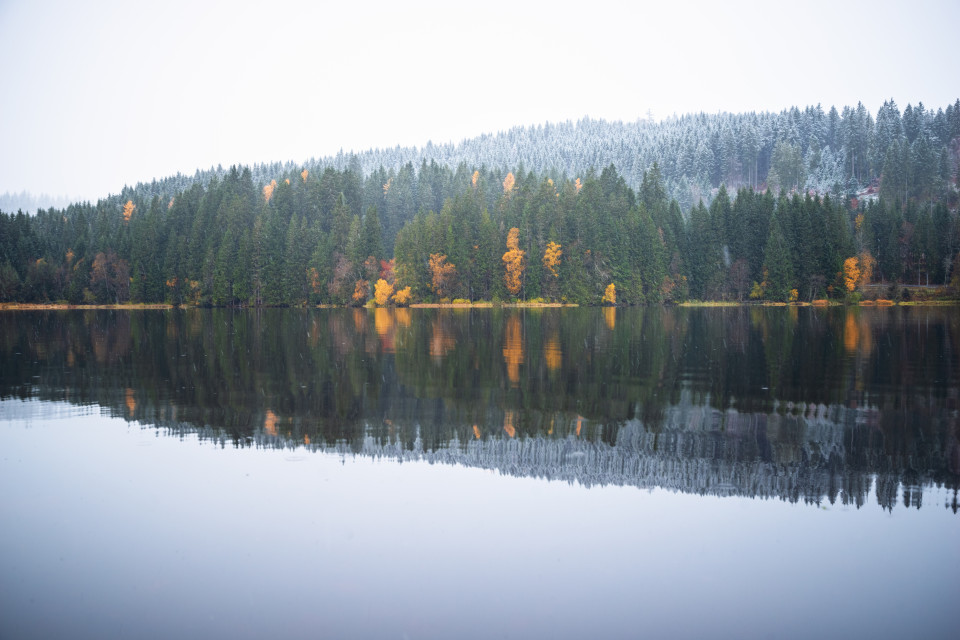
[{"x": 762, "y": 472}]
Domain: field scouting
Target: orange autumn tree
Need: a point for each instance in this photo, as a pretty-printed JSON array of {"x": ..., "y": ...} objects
[
  {"x": 851, "y": 273},
  {"x": 513, "y": 261},
  {"x": 361, "y": 291},
  {"x": 442, "y": 274},
  {"x": 128, "y": 210}
]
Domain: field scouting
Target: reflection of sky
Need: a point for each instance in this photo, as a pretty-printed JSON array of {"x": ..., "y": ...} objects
[{"x": 110, "y": 530}]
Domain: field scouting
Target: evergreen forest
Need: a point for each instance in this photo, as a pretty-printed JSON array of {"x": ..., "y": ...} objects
[{"x": 796, "y": 206}]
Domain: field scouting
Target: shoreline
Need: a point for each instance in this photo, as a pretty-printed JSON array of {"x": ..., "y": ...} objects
[{"x": 55, "y": 306}]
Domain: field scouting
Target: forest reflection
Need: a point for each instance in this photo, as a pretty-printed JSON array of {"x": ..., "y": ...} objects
[{"x": 806, "y": 404}]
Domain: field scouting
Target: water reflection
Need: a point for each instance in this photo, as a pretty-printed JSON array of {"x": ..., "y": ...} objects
[{"x": 799, "y": 404}]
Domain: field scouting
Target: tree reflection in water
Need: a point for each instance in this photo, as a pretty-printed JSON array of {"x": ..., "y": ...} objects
[{"x": 807, "y": 404}]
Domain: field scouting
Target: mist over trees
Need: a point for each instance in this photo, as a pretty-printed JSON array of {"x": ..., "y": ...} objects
[{"x": 724, "y": 206}]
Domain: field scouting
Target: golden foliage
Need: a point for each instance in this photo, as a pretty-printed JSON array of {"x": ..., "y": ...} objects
[
  {"x": 508, "y": 183},
  {"x": 442, "y": 274},
  {"x": 610, "y": 295},
  {"x": 131, "y": 401},
  {"x": 476, "y": 432},
  {"x": 551, "y": 258},
  {"x": 475, "y": 179},
  {"x": 794, "y": 295},
  {"x": 268, "y": 190},
  {"x": 170, "y": 204},
  {"x": 386, "y": 187},
  {"x": 70, "y": 256},
  {"x": 304, "y": 174},
  {"x": 287, "y": 180},
  {"x": 402, "y": 297},
  {"x": 513, "y": 261},
  {"x": 577, "y": 185},
  {"x": 382, "y": 292},
  {"x": 128, "y": 210},
  {"x": 851, "y": 273}
]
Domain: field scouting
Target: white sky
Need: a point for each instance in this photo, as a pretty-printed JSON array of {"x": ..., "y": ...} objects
[{"x": 100, "y": 94}]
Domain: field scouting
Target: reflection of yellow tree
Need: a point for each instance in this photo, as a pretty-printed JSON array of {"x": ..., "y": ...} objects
[
  {"x": 513, "y": 350},
  {"x": 403, "y": 318},
  {"x": 442, "y": 341},
  {"x": 508, "y": 424},
  {"x": 383, "y": 322},
  {"x": 610, "y": 316},
  {"x": 270, "y": 423},
  {"x": 476, "y": 432},
  {"x": 851, "y": 332},
  {"x": 552, "y": 353},
  {"x": 131, "y": 402}
]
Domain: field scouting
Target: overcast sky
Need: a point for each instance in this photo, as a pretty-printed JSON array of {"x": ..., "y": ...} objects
[{"x": 99, "y": 94}]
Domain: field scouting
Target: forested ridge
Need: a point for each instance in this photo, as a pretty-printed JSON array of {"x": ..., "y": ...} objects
[{"x": 799, "y": 205}]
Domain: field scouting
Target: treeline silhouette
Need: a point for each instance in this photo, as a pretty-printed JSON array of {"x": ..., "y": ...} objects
[{"x": 784, "y": 202}]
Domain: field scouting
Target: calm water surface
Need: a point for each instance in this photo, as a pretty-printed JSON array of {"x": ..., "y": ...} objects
[{"x": 654, "y": 472}]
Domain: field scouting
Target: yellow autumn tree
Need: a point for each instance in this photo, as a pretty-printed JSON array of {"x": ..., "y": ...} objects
[
  {"x": 513, "y": 261},
  {"x": 442, "y": 274},
  {"x": 402, "y": 297},
  {"x": 578, "y": 185},
  {"x": 610, "y": 295},
  {"x": 304, "y": 174},
  {"x": 475, "y": 179},
  {"x": 268, "y": 190},
  {"x": 382, "y": 292},
  {"x": 508, "y": 183},
  {"x": 128, "y": 210},
  {"x": 551, "y": 258},
  {"x": 851, "y": 273}
]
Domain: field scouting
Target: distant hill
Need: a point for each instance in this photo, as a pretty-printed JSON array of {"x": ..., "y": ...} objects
[{"x": 825, "y": 151}]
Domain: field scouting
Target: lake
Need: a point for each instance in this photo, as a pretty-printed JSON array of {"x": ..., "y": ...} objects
[{"x": 424, "y": 473}]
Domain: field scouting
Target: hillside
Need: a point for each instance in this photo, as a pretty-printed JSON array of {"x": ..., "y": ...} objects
[{"x": 772, "y": 206}]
